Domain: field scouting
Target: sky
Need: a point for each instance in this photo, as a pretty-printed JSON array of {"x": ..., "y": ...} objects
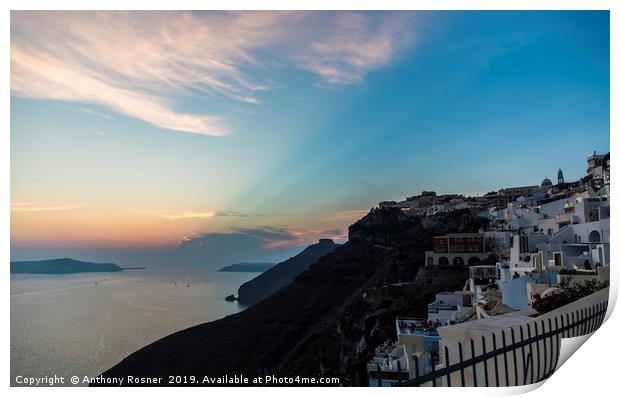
[{"x": 214, "y": 137}]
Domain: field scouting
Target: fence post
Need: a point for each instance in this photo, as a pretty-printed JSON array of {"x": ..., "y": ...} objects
[
  {"x": 449, "y": 375},
  {"x": 473, "y": 367},
  {"x": 562, "y": 323},
  {"x": 526, "y": 367},
  {"x": 484, "y": 353},
  {"x": 433, "y": 371},
  {"x": 537, "y": 352},
  {"x": 522, "y": 356},
  {"x": 461, "y": 362},
  {"x": 495, "y": 361},
  {"x": 506, "y": 359},
  {"x": 544, "y": 332},
  {"x": 529, "y": 338}
]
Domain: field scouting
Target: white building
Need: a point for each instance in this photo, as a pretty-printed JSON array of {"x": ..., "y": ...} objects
[
  {"x": 572, "y": 233},
  {"x": 450, "y": 306},
  {"x": 388, "y": 366}
]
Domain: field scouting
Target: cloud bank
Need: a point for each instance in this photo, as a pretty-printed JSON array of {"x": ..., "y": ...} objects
[
  {"x": 27, "y": 206},
  {"x": 211, "y": 214},
  {"x": 140, "y": 64},
  {"x": 263, "y": 238}
]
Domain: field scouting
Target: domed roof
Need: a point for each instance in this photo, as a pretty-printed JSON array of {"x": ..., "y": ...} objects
[{"x": 546, "y": 183}]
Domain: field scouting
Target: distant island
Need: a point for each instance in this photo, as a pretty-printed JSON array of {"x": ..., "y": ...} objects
[
  {"x": 249, "y": 267},
  {"x": 61, "y": 266}
]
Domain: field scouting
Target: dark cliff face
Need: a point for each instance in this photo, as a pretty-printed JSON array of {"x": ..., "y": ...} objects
[
  {"x": 410, "y": 237},
  {"x": 283, "y": 273},
  {"x": 328, "y": 321}
]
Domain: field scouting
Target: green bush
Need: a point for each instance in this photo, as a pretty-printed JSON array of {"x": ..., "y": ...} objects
[{"x": 566, "y": 294}]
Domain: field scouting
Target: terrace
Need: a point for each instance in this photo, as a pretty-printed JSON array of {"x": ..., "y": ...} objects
[{"x": 416, "y": 326}]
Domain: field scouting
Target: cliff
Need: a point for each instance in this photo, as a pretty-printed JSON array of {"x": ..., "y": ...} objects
[
  {"x": 329, "y": 320},
  {"x": 61, "y": 266},
  {"x": 247, "y": 267},
  {"x": 283, "y": 274}
]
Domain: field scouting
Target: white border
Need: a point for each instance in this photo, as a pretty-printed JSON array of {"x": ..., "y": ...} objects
[{"x": 592, "y": 371}]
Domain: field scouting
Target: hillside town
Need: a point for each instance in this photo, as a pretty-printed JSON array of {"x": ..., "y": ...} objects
[{"x": 540, "y": 239}]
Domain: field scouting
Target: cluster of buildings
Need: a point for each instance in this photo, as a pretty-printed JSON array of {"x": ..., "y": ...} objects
[
  {"x": 537, "y": 236},
  {"x": 428, "y": 204}
]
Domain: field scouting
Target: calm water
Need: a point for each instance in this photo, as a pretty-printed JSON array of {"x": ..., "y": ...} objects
[{"x": 83, "y": 324}]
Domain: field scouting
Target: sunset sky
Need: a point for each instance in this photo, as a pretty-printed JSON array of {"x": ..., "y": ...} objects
[{"x": 219, "y": 137}]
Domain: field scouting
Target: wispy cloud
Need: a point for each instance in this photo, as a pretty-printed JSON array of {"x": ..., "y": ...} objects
[
  {"x": 481, "y": 51},
  {"x": 187, "y": 238},
  {"x": 38, "y": 76},
  {"x": 357, "y": 45},
  {"x": 27, "y": 206},
  {"x": 211, "y": 214},
  {"x": 235, "y": 214},
  {"x": 98, "y": 114},
  {"x": 136, "y": 63},
  {"x": 190, "y": 215},
  {"x": 350, "y": 215}
]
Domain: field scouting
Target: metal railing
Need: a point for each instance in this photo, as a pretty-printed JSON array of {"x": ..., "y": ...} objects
[{"x": 514, "y": 356}]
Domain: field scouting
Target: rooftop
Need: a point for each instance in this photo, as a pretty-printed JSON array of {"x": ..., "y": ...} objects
[
  {"x": 416, "y": 326},
  {"x": 504, "y": 321}
]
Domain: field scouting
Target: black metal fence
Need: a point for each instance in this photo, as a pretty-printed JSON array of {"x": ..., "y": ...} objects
[{"x": 516, "y": 356}]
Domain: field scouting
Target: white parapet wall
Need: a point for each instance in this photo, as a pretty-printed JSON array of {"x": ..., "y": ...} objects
[{"x": 519, "y": 348}]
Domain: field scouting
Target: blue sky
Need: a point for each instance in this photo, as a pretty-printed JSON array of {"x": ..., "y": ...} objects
[{"x": 137, "y": 131}]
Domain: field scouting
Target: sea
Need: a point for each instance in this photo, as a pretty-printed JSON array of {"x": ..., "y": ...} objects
[{"x": 83, "y": 324}]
